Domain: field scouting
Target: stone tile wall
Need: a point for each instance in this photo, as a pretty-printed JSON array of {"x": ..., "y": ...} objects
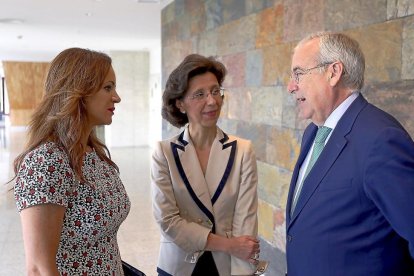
[{"x": 254, "y": 39}]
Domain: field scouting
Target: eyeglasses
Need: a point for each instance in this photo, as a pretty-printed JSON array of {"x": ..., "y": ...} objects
[
  {"x": 298, "y": 72},
  {"x": 200, "y": 95}
]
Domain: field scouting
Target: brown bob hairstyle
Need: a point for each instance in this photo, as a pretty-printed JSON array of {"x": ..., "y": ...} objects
[{"x": 177, "y": 84}]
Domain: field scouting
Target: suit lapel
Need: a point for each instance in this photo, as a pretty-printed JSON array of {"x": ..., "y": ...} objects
[
  {"x": 220, "y": 163},
  {"x": 306, "y": 145},
  {"x": 332, "y": 150},
  {"x": 191, "y": 174},
  {"x": 221, "y": 159},
  {"x": 327, "y": 158}
]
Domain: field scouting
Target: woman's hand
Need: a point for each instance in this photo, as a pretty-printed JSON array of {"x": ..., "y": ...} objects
[{"x": 244, "y": 247}]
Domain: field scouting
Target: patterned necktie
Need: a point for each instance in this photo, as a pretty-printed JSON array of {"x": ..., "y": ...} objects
[{"x": 319, "y": 144}]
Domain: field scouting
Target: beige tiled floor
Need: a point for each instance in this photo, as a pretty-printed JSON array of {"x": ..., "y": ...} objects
[{"x": 138, "y": 236}]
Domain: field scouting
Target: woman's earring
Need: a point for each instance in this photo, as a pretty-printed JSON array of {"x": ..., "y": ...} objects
[{"x": 183, "y": 111}]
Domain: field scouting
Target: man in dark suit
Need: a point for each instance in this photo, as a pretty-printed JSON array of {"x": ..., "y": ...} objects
[{"x": 350, "y": 207}]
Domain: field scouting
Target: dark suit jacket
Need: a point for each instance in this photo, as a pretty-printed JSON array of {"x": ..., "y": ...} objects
[{"x": 355, "y": 214}]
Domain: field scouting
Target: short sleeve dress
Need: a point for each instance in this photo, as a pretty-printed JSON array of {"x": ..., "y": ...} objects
[{"x": 94, "y": 210}]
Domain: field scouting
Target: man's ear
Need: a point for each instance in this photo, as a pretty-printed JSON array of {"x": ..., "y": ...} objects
[{"x": 335, "y": 72}]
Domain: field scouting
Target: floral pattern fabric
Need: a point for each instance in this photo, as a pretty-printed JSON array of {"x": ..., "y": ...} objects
[{"x": 94, "y": 210}]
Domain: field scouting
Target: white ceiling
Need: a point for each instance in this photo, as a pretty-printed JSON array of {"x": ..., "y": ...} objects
[{"x": 36, "y": 30}]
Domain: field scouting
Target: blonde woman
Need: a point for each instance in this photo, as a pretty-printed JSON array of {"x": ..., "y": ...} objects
[{"x": 68, "y": 191}]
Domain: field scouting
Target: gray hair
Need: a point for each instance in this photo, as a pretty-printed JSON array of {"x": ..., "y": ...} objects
[{"x": 340, "y": 47}]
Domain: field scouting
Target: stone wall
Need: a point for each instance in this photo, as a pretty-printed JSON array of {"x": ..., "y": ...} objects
[{"x": 254, "y": 39}]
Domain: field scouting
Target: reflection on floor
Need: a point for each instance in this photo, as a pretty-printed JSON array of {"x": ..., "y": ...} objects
[{"x": 138, "y": 236}]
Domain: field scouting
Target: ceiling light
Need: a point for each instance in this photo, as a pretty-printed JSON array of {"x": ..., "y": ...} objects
[
  {"x": 147, "y": 1},
  {"x": 88, "y": 14},
  {"x": 11, "y": 21}
]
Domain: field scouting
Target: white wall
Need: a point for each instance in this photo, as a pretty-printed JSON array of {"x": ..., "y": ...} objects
[
  {"x": 130, "y": 125},
  {"x": 155, "y": 121}
]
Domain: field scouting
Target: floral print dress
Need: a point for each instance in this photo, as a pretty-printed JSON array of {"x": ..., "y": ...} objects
[{"x": 94, "y": 210}]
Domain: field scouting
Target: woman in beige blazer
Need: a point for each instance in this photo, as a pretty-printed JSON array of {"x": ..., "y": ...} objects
[{"x": 204, "y": 182}]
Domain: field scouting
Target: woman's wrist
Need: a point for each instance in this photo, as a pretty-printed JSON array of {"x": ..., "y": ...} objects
[{"x": 218, "y": 243}]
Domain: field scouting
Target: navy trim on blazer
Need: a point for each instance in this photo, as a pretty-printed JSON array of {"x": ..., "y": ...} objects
[
  {"x": 227, "y": 172},
  {"x": 223, "y": 181},
  {"x": 224, "y": 139},
  {"x": 180, "y": 169},
  {"x": 182, "y": 141},
  {"x": 162, "y": 272}
]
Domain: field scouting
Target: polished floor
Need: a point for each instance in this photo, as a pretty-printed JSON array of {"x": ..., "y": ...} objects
[{"x": 138, "y": 236}]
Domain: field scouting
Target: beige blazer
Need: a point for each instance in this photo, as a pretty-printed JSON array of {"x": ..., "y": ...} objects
[{"x": 188, "y": 205}]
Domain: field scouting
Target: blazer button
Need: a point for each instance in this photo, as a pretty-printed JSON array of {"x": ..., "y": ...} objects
[{"x": 289, "y": 238}]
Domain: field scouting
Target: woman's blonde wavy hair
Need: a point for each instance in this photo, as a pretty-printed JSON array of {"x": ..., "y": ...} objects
[{"x": 74, "y": 75}]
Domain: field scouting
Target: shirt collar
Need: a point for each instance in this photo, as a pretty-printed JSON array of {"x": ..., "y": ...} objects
[{"x": 336, "y": 115}]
